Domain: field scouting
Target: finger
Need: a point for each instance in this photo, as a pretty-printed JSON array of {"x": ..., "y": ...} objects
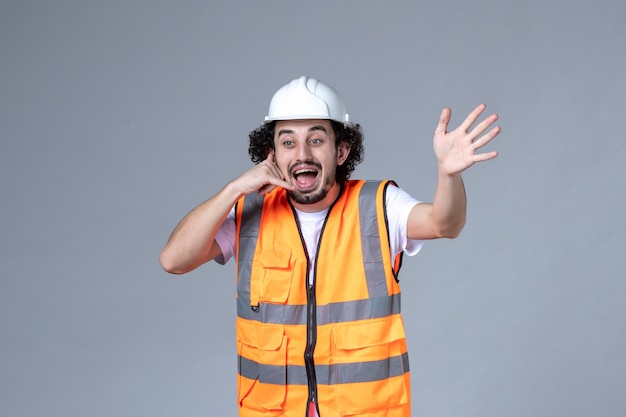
[
  {"x": 272, "y": 166},
  {"x": 284, "y": 184},
  {"x": 486, "y": 138},
  {"x": 272, "y": 183},
  {"x": 277, "y": 181},
  {"x": 444, "y": 120},
  {"x": 481, "y": 157},
  {"x": 266, "y": 189},
  {"x": 483, "y": 126},
  {"x": 472, "y": 117},
  {"x": 269, "y": 160},
  {"x": 278, "y": 173}
]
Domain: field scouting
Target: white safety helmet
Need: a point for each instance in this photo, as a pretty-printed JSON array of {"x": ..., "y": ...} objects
[{"x": 307, "y": 98}]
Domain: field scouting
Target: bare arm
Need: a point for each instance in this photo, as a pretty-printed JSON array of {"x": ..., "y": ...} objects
[
  {"x": 192, "y": 243},
  {"x": 456, "y": 152}
]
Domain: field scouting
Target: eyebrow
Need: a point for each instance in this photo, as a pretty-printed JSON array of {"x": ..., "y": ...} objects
[{"x": 311, "y": 129}]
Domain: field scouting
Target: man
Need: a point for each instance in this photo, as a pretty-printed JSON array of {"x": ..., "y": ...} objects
[{"x": 319, "y": 330}]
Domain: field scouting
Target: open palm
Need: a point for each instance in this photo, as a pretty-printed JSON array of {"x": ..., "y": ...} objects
[{"x": 457, "y": 150}]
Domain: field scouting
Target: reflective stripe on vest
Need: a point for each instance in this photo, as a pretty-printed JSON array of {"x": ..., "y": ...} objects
[
  {"x": 360, "y": 360},
  {"x": 378, "y": 305},
  {"x": 331, "y": 313},
  {"x": 345, "y": 373}
]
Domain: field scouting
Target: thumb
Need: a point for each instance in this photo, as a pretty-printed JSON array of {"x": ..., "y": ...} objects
[{"x": 444, "y": 119}]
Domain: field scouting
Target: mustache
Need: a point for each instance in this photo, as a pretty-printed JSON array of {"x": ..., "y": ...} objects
[{"x": 307, "y": 163}]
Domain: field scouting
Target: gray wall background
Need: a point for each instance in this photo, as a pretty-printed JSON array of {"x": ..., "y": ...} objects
[{"x": 117, "y": 117}]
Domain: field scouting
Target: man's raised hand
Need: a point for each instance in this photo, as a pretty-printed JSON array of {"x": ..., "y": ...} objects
[{"x": 456, "y": 150}]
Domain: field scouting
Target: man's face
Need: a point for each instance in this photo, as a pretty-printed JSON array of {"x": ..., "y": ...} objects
[{"x": 306, "y": 154}]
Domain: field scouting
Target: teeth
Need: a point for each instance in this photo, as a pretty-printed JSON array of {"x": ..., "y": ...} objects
[{"x": 304, "y": 171}]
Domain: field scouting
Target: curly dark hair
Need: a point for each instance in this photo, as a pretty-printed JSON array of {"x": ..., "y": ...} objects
[{"x": 262, "y": 141}]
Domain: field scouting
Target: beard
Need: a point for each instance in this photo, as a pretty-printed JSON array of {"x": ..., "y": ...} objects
[
  {"x": 313, "y": 196},
  {"x": 308, "y": 197}
]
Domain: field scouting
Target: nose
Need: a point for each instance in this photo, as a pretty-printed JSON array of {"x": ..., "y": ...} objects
[{"x": 304, "y": 152}]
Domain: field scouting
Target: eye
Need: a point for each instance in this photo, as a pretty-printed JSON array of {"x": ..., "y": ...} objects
[
  {"x": 288, "y": 143},
  {"x": 315, "y": 141}
]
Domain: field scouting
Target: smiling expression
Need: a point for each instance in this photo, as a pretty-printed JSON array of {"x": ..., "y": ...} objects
[{"x": 307, "y": 156}]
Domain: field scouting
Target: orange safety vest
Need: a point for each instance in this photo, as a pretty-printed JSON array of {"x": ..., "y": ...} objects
[{"x": 339, "y": 342}]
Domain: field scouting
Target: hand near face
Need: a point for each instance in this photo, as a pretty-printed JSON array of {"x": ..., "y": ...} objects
[
  {"x": 457, "y": 150},
  {"x": 263, "y": 178}
]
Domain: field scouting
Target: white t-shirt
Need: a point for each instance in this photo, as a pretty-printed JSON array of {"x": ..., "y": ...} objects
[{"x": 399, "y": 204}]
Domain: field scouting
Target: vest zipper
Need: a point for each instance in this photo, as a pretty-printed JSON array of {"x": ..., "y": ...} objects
[
  {"x": 311, "y": 329},
  {"x": 311, "y": 325},
  {"x": 311, "y": 312},
  {"x": 311, "y": 340}
]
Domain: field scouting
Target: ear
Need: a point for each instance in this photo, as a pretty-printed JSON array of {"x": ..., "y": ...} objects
[{"x": 343, "y": 150}]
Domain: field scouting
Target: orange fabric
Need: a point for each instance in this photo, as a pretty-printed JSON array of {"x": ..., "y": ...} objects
[{"x": 279, "y": 276}]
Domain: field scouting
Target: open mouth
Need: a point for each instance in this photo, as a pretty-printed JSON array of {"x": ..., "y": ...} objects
[{"x": 305, "y": 178}]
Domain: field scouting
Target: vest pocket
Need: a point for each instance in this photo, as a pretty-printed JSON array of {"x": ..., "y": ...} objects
[
  {"x": 262, "y": 382},
  {"x": 277, "y": 266},
  {"x": 370, "y": 366}
]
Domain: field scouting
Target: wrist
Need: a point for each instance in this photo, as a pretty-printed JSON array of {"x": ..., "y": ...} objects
[
  {"x": 233, "y": 191},
  {"x": 444, "y": 173}
]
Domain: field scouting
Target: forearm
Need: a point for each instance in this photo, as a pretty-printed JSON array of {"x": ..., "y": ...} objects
[
  {"x": 190, "y": 244},
  {"x": 449, "y": 205}
]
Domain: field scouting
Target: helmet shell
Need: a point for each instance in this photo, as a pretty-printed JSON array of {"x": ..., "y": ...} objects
[{"x": 307, "y": 98}]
